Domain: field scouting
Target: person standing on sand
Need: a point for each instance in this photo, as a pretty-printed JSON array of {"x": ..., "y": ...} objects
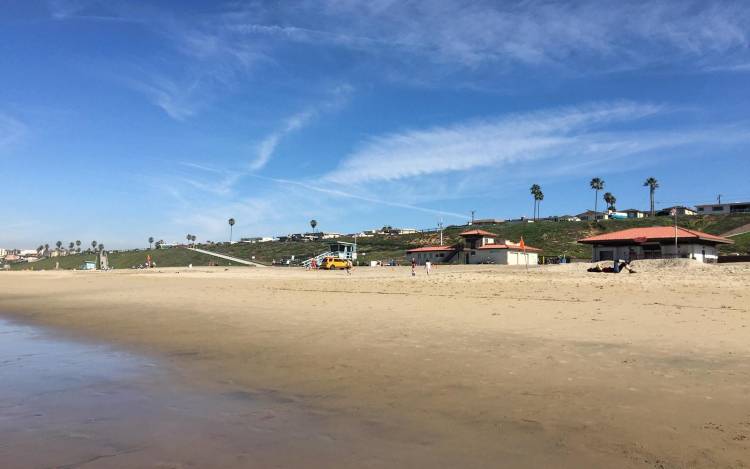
[
  {"x": 413, "y": 267},
  {"x": 348, "y": 267},
  {"x": 428, "y": 267}
]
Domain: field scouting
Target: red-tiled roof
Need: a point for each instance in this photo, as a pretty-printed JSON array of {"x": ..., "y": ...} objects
[
  {"x": 512, "y": 246},
  {"x": 431, "y": 249},
  {"x": 653, "y": 233},
  {"x": 477, "y": 233}
]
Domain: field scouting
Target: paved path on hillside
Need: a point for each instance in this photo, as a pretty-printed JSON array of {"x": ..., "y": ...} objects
[
  {"x": 229, "y": 258},
  {"x": 738, "y": 231}
]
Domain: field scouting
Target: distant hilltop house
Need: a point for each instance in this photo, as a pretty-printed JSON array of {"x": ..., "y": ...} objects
[
  {"x": 256, "y": 239},
  {"x": 724, "y": 209},
  {"x": 564, "y": 218},
  {"x": 322, "y": 235},
  {"x": 631, "y": 213},
  {"x": 388, "y": 230},
  {"x": 478, "y": 247},
  {"x": 681, "y": 211},
  {"x": 634, "y": 213},
  {"x": 656, "y": 242},
  {"x": 488, "y": 221},
  {"x": 590, "y": 215}
]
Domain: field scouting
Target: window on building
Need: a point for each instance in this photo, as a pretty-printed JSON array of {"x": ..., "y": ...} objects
[
  {"x": 700, "y": 209},
  {"x": 717, "y": 208}
]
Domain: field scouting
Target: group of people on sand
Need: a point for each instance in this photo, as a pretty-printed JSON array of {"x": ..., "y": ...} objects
[{"x": 427, "y": 267}]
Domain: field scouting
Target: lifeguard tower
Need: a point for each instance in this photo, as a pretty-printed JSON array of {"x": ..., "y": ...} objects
[{"x": 338, "y": 249}]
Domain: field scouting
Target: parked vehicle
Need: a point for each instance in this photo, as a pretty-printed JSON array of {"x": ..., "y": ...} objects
[{"x": 333, "y": 263}]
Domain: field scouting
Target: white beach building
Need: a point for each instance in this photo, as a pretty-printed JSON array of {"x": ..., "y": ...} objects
[
  {"x": 656, "y": 242},
  {"x": 479, "y": 247}
]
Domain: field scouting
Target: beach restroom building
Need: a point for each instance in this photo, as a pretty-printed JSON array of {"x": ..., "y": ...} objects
[
  {"x": 478, "y": 247},
  {"x": 656, "y": 242}
]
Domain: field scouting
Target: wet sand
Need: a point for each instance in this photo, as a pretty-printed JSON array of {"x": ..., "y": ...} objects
[
  {"x": 471, "y": 367},
  {"x": 67, "y": 404}
]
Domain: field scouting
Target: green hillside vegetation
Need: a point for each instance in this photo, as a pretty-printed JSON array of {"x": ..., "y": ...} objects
[
  {"x": 554, "y": 238},
  {"x": 741, "y": 244},
  {"x": 174, "y": 257}
]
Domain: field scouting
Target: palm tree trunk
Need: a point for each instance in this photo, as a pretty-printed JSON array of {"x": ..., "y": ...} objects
[
  {"x": 652, "y": 202},
  {"x": 596, "y": 202}
]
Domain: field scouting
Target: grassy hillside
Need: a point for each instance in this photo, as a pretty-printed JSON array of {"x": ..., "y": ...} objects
[
  {"x": 554, "y": 238},
  {"x": 741, "y": 244},
  {"x": 175, "y": 257}
]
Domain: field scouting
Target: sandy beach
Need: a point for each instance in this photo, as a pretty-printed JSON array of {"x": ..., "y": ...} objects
[{"x": 483, "y": 366}]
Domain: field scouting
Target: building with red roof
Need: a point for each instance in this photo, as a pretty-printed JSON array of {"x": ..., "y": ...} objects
[
  {"x": 655, "y": 242},
  {"x": 479, "y": 247}
]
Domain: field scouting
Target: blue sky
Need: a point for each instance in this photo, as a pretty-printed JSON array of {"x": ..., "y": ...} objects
[{"x": 123, "y": 120}]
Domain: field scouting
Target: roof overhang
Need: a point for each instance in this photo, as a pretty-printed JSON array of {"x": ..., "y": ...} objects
[{"x": 633, "y": 242}]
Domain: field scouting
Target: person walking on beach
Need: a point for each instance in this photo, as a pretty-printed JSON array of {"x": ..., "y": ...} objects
[
  {"x": 348, "y": 267},
  {"x": 413, "y": 267},
  {"x": 428, "y": 267}
]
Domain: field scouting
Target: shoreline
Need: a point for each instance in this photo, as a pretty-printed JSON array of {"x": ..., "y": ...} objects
[{"x": 487, "y": 362}]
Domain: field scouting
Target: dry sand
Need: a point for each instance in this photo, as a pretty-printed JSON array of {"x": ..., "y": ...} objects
[{"x": 491, "y": 366}]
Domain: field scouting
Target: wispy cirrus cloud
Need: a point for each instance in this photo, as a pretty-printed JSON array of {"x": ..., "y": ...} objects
[
  {"x": 338, "y": 97},
  {"x": 562, "y": 140},
  {"x": 12, "y": 130},
  {"x": 585, "y": 35},
  {"x": 484, "y": 143}
]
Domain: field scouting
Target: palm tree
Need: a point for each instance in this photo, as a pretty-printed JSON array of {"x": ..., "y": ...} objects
[
  {"x": 597, "y": 184},
  {"x": 610, "y": 200},
  {"x": 46, "y": 248},
  {"x": 70, "y": 246},
  {"x": 150, "y": 242},
  {"x": 313, "y": 224},
  {"x": 193, "y": 238},
  {"x": 101, "y": 247},
  {"x": 93, "y": 245},
  {"x": 78, "y": 245},
  {"x": 535, "y": 189},
  {"x": 189, "y": 238},
  {"x": 59, "y": 245},
  {"x": 231, "y": 225},
  {"x": 652, "y": 185},
  {"x": 538, "y": 198},
  {"x": 40, "y": 249}
]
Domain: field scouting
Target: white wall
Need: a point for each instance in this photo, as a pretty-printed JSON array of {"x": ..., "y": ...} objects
[
  {"x": 703, "y": 253},
  {"x": 435, "y": 257},
  {"x": 503, "y": 257}
]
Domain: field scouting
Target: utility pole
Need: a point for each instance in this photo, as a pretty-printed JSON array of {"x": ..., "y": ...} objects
[
  {"x": 472, "y": 217},
  {"x": 718, "y": 198},
  {"x": 440, "y": 227}
]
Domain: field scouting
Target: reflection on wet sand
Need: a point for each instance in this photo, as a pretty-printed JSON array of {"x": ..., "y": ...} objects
[{"x": 65, "y": 404}]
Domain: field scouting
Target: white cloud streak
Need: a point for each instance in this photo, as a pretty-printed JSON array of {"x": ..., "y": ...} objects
[
  {"x": 508, "y": 140},
  {"x": 339, "y": 96},
  {"x": 582, "y": 35},
  {"x": 11, "y": 130},
  {"x": 338, "y": 193}
]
